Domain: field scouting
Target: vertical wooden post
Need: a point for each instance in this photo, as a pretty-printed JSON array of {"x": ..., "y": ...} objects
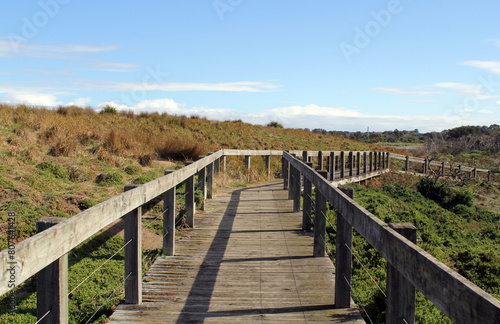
[
  {"x": 475, "y": 173},
  {"x": 388, "y": 159},
  {"x": 296, "y": 190},
  {"x": 343, "y": 264},
  {"x": 217, "y": 166},
  {"x": 52, "y": 283},
  {"x": 489, "y": 175},
  {"x": 223, "y": 163},
  {"x": 319, "y": 224},
  {"x": 442, "y": 169},
  {"x": 375, "y": 161},
  {"x": 342, "y": 164},
  {"x": 247, "y": 166},
  {"x": 202, "y": 179},
  {"x": 210, "y": 180},
  {"x": 358, "y": 163},
  {"x": 371, "y": 161},
  {"x": 336, "y": 162},
  {"x": 307, "y": 203},
  {"x": 400, "y": 292},
  {"x": 351, "y": 163},
  {"x": 133, "y": 254},
  {"x": 332, "y": 165},
  {"x": 320, "y": 160},
  {"x": 383, "y": 160},
  {"x": 425, "y": 165},
  {"x": 407, "y": 163},
  {"x": 328, "y": 164},
  {"x": 364, "y": 162},
  {"x": 267, "y": 162},
  {"x": 169, "y": 220},
  {"x": 286, "y": 173},
  {"x": 305, "y": 156},
  {"x": 189, "y": 199}
]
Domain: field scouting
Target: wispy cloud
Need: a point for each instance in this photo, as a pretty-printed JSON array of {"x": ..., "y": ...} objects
[
  {"x": 402, "y": 91},
  {"x": 490, "y": 66},
  {"x": 13, "y": 47},
  {"x": 32, "y": 98}
]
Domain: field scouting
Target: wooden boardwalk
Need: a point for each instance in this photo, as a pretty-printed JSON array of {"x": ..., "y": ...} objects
[{"x": 246, "y": 260}]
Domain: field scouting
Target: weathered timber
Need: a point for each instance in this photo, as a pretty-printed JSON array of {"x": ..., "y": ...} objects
[
  {"x": 133, "y": 253},
  {"x": 169, "y": 220},
  {"x": 457, "y": 297},
  {"x": 247, "y": 261},
  {"x": 52, "y": 283},
  {"x": 343, "y": 257}
]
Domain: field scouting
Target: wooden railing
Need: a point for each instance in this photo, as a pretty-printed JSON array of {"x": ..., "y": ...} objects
[
  {"x": 443, "y": 168},
  {"x": 455, "y": 296},
  {"x": 45, "y": 254}
]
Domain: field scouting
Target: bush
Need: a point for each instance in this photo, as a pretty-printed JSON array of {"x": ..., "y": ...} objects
[
  {"x": 274, "y": 124},
  {"x": 111, "y": 178},
  {"x": 86, "y": 204},
  {"x": 132, "y": 169},
  {"x": 108, "y": 110},
  {"x": 55, "y": 169},
  {"x": 443, "y": 195},
  {"x": 179, "y": 149}
]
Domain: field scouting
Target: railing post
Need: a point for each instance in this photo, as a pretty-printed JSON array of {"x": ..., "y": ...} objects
[
  {"x": 425, "y": 165},
  {"x": 342, "y": 164},
  {"x": 319, "y": 224},
  {"x": 307, "y": 203},
  {"x": 442, "y": 169},
  {"x": 133, "y": 254},
  {"x": 407, "y": 164},
  {"x": 343, "y": 264},
  {"x": 247, "y": 166},
  {"x": 189, "y": 201},
  {"x": 223, "y": 163},
  {"x": 475, "y": 173},
  {"x": 332, "y": 165},
  {"x": 217, "y": 166},
  {"x": 202, "y": 179},
  {"x": 388, "y": 158},
  {"x": 296, "y": 190},
  {"x": 328, "y": 164},
  {"x": 305, "y": 156},
  {"x": 286, "y": 172},
  {"x": 489, "y": 175},
  {"x": 371, "y": 161},
  {"x": 351, "y": 163},
  {"x": 364, "y": 162},
  {"x": 358, "y": 163},
  {"x": 320, "y": 160},
  {"x": 52, "y": 283},
  {"x": 383, "y": 160},
  {"x": 210, "y": 180},
  {"x": 380, "y": 161},
  {"x": 169, "y": 220},
  {"x": 267, "y": 162},
  {"x": 375, "y": 168},
  {"x": 400, "y": 292}
]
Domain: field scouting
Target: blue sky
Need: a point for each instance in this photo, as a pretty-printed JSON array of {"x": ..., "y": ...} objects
[{"x": 335, "y": 65}]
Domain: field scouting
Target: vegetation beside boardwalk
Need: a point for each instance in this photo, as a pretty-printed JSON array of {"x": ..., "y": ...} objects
[{"x": 60, "y": 162}]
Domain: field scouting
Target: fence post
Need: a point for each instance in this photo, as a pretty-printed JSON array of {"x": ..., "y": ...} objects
[
  {"x": 52, "y": 283},
  {"x": 217, "y": 166},
  {"x": 210, "y": 180},
  {"x": 489, "y": 175},
  {"x": 351, "y": 163},
  {"x": 223, "y": 163},
  {"x": 169, "y": 220},
  {"x": 247, "y": 166},
  {"x": 364, "y": 162},
  {"x": 133, "y": 254},
  {"x": 286, "y": 172},
  {"x": 371, "y": 161},
  {"x": 375, "y": 161},
  {"x": 296, "y": 190},
  {"x": 307, "y": 203},
  {"x": 189, "y": 199},
  {"x": 342, "y": 164},
  {"x": 388, "y": 159},
  {"x": 384, "y": 155},
  {"x": 343, "y": 264},
  {"x": 328, "y": 164},
  {"x": 400, "y": 292},
  {"x": 425, "y": 166},
  {"x": 320, "y": 160},
  {"x": 202, "y": 179},
  {"x": 319, "y": 224},
  {"x": 267, "y": 160},
  {"x": 407, "y": 163},
  {"x": 332, "y": 166},
  {"x": 358, "y": 163},
  {"x": 475, "y": 173},
  {"x": 442, "y": 169},
  {"x": 305, "y": 156}
]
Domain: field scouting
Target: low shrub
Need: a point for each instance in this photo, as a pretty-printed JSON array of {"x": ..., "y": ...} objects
[
  {"x": 53, "y": 168},
  {"x": 132, "y": 169},
  {"x": 179, "y": 149},
  {"x": 111, "y": 178}
]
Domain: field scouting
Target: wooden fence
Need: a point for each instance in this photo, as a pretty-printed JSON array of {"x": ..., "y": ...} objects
[
  {"x": 455, "y": 296},
  {"x": 45, "y": 254}
]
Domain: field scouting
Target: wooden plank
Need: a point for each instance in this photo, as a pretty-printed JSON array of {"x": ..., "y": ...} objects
[
  {"x": 247, "y": 261},
  {"x": 169, "y": 221},
  {"x": 458, "y": 298},
  {"x": 343, "y": 258},
  {"x": 133, "y": 253}
]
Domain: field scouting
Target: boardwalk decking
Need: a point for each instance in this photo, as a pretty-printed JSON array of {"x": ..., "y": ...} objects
[{"x": 246, "y": 260}]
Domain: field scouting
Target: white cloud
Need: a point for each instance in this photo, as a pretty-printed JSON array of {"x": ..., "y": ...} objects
[
  {"x": 16, "y": 46},
  {"x": 401, "y": 91},
  {"x": 490, "y": 66},
  {"x": 114, "y": 104},
  {"x": 485, "y": 112},
  {"x": 79, "y": 102},
  {"x": 467, "y": 110},
  {"x": 34, "y": 99}
]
